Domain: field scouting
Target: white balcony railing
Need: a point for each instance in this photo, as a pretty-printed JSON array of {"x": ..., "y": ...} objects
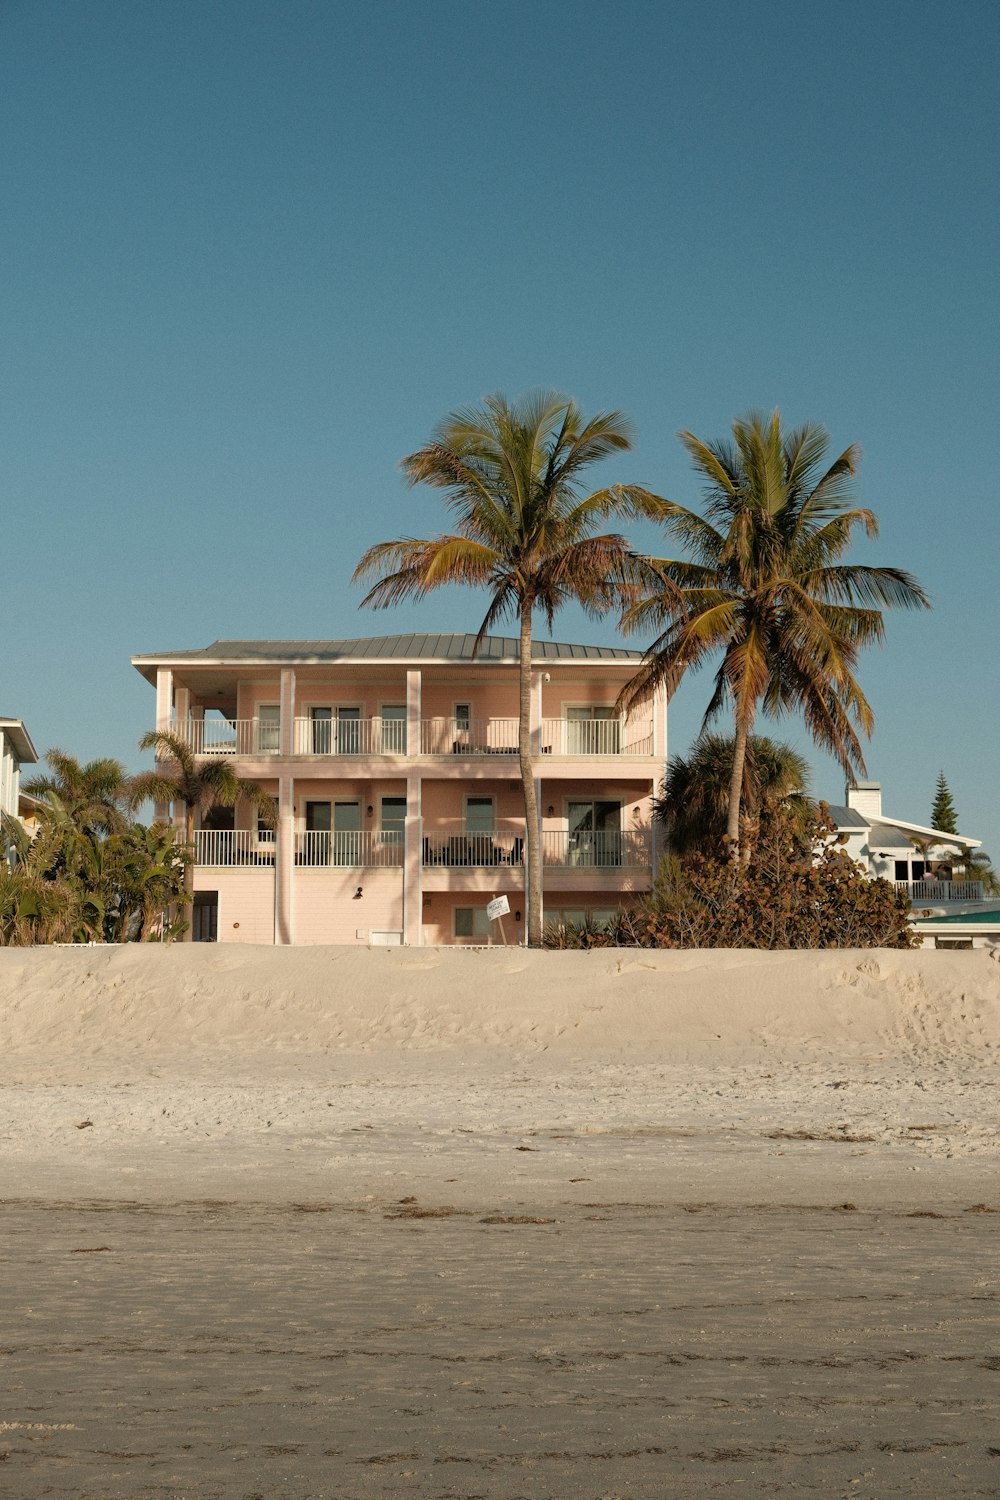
[
  {"x": 352, "y": 849},
  {"x": 233, "y": 846},
  {"x": 468, "y": 736},
  {"x": 605, "y": 849},
  {"x": 449, "y": 843},
  {"x": 941, "y": 890},
  {"x": 442, "y": 736},
  {"x": 376, "y": 736},
  {"x": 587, "y": 737},
  {"x": 608, "y": 737},
  {"x": 218, "y": 736}
]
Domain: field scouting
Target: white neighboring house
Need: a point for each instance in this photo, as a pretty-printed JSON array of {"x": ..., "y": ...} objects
[
  {"x": 949, "y": 906},
  {"x": 16, "y": 750}
]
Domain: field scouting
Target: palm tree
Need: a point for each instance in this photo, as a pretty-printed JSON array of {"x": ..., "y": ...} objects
[
  {"x": 196, "y": 788},
  {"x": 91, "y": 795},
  {"x": 765, "y": 588},
  {"x": 694, "y": 799},
  {"x": 523, "y": 530},
  {"x": 39, "y": 902}
]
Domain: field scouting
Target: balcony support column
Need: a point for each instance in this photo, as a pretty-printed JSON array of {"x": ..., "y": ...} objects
[
  {"x": 284, "y": 861},
  {"x": 413, "y": 715},
  {"x": 164, "y": 697},
  {"x": 182, "y": 707},
  {"x": 413, "y": 879},
  {"x": 286, "y": 712},
  {"x": 659, "y": 707}
]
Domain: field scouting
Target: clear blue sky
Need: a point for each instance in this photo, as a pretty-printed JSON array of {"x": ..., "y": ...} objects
[{"x": 253, "y": 252}]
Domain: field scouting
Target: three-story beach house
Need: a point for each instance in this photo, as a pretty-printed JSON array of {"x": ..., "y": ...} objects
[{"x": 393, "y": 761}]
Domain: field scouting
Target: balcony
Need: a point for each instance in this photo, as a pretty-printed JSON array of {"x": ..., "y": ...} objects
[
  {"x": 450, "y": 845},
  {"x": 233, "y": 846},
  {"x": 597, "y": 737},
  {"x": 468, "y": 736},
  {"x": 941, "y": 890},
  {"x": 605, "y": 849},
  {"x": 375, "y": 736},
  {"x": 216, "y": 735},
  {"x": 582, "y": 737},
  {"x": 573, "y": 738},
  {"x": 350, "y": 849}
]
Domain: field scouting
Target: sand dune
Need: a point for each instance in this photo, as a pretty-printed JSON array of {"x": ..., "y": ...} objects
[{"x": 146, "y": 1003}]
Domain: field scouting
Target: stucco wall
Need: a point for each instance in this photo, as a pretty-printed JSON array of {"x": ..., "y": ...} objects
[
  {"x": 246, "y": 902},
  {"x": 326, "y": 910}
]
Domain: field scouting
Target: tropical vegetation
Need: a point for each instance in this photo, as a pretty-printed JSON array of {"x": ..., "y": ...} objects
[
  {"x": 195, "y": 788},
  {"x": 693, "y": 805},
  {"x": 92, "y": 796},
  {"x": 763, "y": 586},
  {"x": 71, "y": 882},
  {"x": 798, "y": 889},
  {"x": 525, "y": 531}
]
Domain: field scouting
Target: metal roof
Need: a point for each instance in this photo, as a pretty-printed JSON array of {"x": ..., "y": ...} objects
[
  {"x": 846, "y": 817},
  {"x": 392, "y": 648}
]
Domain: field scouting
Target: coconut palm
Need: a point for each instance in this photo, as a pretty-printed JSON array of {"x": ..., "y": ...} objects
[
  {"x": 196, "y": 788},
  {"x": 91, "y": 795},
  {"x": 512, "y": 473},
  {"x": 693, "y": 803},
  {"x": 764, "y": 587}
]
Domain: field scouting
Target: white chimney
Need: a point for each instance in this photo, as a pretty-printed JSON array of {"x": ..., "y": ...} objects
[{"x": 866, "y": 798}]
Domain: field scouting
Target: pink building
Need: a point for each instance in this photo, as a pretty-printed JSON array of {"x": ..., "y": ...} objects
[{"x": 393, "y": 761}]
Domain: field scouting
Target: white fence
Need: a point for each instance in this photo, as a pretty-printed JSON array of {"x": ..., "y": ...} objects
[{"x": 941, "y": 890}]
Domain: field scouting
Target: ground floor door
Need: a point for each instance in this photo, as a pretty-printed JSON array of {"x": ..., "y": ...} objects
[{"x": 205, "y": 917}]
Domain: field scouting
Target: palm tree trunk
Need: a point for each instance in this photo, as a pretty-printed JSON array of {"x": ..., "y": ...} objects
[
  {"x": 189, "y": 811},
  {"x": 532, "y": 839},
  {"x": 736, "y": 790}
]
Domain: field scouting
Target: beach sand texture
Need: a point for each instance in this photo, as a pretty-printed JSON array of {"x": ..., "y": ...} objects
[{"x": 331, "y": 1222}]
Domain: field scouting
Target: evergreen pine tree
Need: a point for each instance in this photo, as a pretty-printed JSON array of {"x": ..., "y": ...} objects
[{"x": 943, "y": 814}]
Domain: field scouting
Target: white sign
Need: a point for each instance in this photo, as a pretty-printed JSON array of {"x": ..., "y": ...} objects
[{"x": 498, "y": 907}]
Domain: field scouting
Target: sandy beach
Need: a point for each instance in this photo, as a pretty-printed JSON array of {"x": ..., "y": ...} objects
[{"x": 332, "y": 1222}]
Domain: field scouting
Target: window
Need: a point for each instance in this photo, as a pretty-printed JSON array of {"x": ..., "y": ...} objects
[
  {"x": 320, "y": 725},
  {"x": 348, "y": 731},
  {"x": 479, "y": 814},
  {"x": 392, "y": 820},
  {"x": 394, "y": 729},
  {"x": 316, "y": 844},
  {"x": 347, "y": 833},
  {"x": 902, "y": 869},
  {"x": 593, "y": 731},
  {"x": 463, "y": 716},
  {"x": 472, "y": 922},
  {"x": 268, "y": 727}
]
